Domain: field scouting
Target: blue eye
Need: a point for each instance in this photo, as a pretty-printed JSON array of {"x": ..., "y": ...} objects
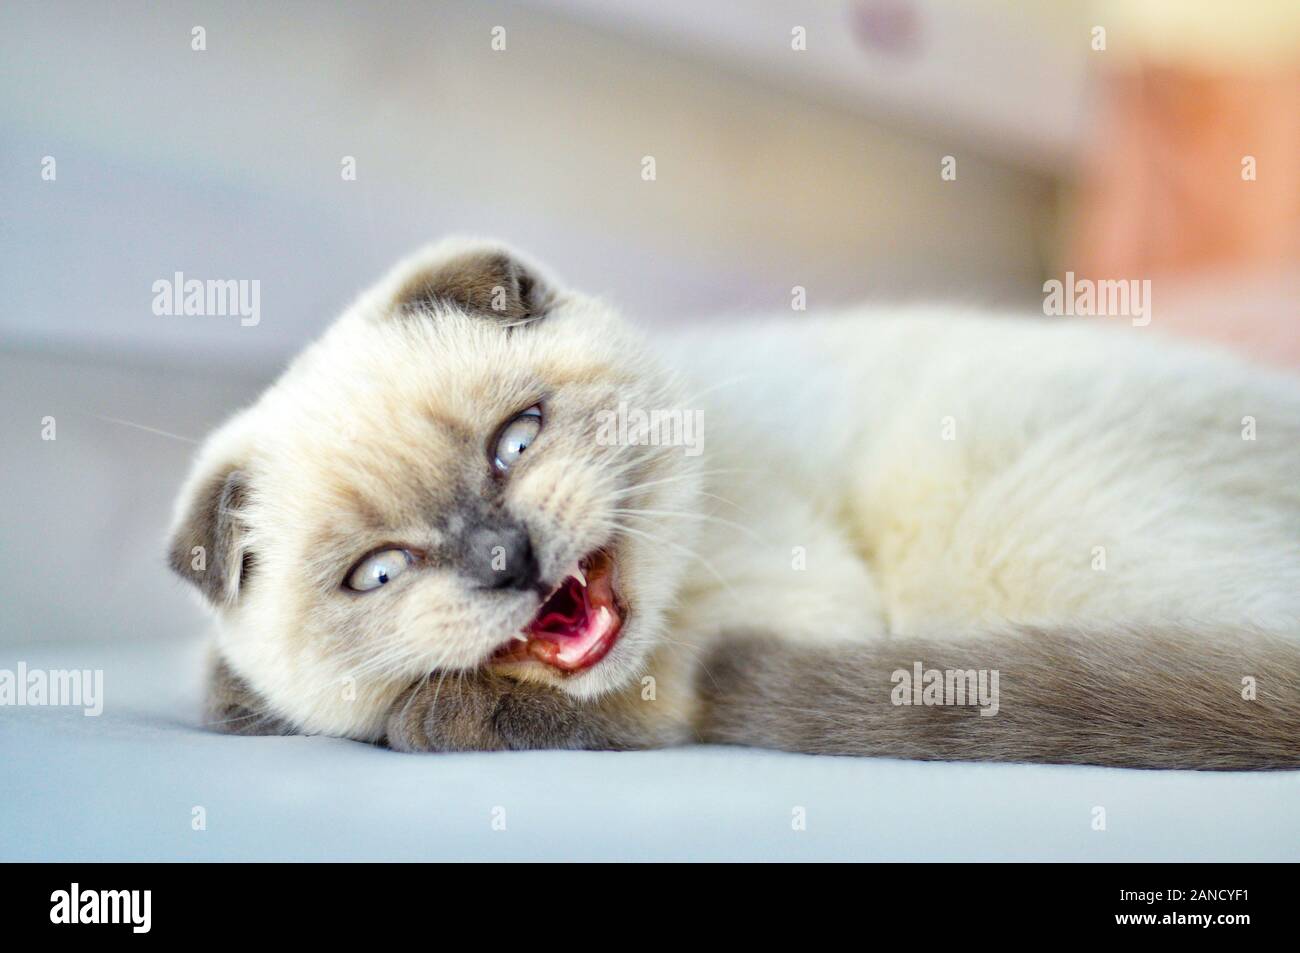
[
  {"x": 515, "y": 437},
  {"x": 379, "y": 569}
]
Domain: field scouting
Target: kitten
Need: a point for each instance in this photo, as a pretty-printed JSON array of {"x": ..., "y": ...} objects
[{"x": 482, "y": 512}]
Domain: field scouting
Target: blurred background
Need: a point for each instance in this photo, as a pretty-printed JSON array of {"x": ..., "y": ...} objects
[{"x": 884, "y": 150}]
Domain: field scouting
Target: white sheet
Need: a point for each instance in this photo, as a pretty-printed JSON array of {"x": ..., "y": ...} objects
[{"x": 124, "y": 785}]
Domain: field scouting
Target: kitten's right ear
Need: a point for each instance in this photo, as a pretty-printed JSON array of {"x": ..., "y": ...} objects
[
  {"x": 481, "y": 278},
  {"x": 209, "y": 531}
]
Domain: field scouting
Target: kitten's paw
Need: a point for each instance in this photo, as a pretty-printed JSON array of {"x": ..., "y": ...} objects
[
  {"x": 232, "y": 707},
  {"x": 485, "y": 712},
  {"x": 448, "y": 713},
  {"x": 530, "y": 717}
]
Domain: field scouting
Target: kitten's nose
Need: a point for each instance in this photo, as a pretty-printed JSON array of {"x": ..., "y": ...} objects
[{"x": 503, "y": 558}]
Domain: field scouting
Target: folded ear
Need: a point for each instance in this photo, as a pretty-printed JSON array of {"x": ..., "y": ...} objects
[
  {"x": 476, "y": 277},
  {"x": 209, "y": 537}
]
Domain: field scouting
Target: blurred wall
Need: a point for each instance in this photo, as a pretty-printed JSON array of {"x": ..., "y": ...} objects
[{"x": 226, "y": 163}]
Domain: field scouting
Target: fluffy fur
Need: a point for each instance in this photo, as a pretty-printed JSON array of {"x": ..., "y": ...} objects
[
  {"x": 1132, "y": 699},
  {"x": 869, "y": 484}
]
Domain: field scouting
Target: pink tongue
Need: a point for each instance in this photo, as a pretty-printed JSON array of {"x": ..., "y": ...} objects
[
  {"x": 566, "y": 614},
  {"x": 570, "y": 628}
]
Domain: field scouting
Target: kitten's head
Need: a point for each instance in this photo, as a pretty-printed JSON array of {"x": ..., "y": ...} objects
[{"x": 428, "y": 487}]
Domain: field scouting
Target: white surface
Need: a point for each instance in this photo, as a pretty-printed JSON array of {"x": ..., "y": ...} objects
[{"x": 123, "y": 786}]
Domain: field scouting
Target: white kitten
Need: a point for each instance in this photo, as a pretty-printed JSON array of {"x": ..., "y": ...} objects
[{"x": 481, "y": 512}]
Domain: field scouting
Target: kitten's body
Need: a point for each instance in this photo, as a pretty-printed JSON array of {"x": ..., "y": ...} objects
[
  {"x": 981, "y": 470},
  {"x": 1076, "y": 504}
]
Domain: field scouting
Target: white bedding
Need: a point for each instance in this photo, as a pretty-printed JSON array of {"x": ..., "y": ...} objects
[{"x": 124, "y": 786}]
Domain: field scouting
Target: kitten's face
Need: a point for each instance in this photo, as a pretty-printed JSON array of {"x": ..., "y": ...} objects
[{"x": 428, "y": 488}]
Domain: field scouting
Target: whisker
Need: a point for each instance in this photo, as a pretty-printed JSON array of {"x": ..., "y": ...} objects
[
  {"x": 686, "y": 514},
  {"x": 154, "y": 430},
  {"x": 690, "y": 554}
]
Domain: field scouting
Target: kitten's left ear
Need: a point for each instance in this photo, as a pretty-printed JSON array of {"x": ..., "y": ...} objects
[
  {"x": 209, "y": 537},
  {"x": 477, "y": 277}
]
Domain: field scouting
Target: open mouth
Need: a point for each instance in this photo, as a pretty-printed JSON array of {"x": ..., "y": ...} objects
[{"x": 577, "y": 624}]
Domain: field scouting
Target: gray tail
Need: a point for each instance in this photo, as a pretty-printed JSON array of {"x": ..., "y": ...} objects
[{"x": 1122, "y": 697}]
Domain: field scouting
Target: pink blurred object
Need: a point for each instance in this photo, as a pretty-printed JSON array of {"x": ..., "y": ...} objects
[
  {"x": 1168, "y": 195},
  {"x": 886, "y": 26}
]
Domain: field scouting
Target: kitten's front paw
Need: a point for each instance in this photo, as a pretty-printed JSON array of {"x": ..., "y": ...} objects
[
  {"x": 531, "y": 717},
  {"x": 484, "y": 712},
  {"x": 534, "y": 716},
  {"x": 451, "y": 712}
]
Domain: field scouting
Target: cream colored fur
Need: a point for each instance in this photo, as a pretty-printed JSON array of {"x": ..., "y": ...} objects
[{"x": 877, "y": 474}]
